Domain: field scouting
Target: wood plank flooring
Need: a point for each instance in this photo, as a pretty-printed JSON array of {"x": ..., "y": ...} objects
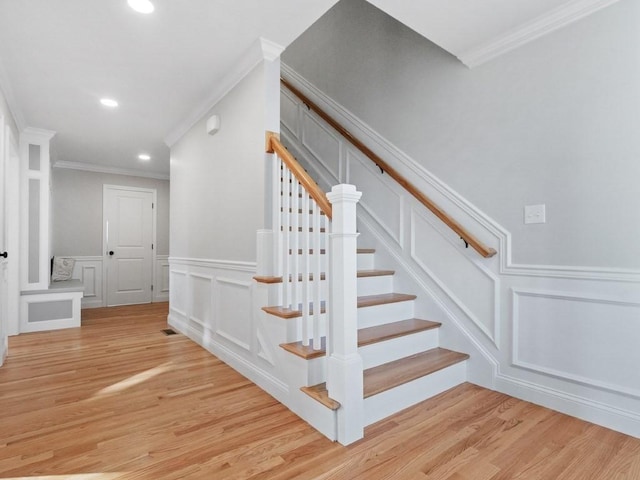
[{"x": 117, "y": 399}]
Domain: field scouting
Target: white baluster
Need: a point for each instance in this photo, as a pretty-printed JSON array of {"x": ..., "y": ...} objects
[
  {"x": 278, "y": 211},
  {"x": 317, "y": 273},
  {"x": 305, "y": 236},
  {"x": 293, "y": 233},
  {"x": 286, "y": 264}
]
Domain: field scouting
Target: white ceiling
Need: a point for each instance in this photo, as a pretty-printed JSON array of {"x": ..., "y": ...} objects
[{"x": 59, "y": 57}]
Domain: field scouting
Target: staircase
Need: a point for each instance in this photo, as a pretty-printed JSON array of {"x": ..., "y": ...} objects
[{"x": 399, "y": 356}]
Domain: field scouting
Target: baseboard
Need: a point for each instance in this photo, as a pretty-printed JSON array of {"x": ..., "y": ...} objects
[
  {"x": 591, "y": 411},
  {"x": 268, "y": 383},
  {"x": 91, "y": 303}
]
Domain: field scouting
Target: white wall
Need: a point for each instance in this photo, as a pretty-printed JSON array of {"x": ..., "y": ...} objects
[
  {"x": 217, "y": 182},
  {"x": 553, "y": 122},
  {"x": 77, "y": 210}
]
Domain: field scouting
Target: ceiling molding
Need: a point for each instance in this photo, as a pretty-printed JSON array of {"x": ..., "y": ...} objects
[
  {"x": 261, "y": 50},
  {"x": 5, "y": 88},
  {"x": 37, "y": 132},
  {"x": 543, "y": 25},
  {"x": 89, "y": 167}
]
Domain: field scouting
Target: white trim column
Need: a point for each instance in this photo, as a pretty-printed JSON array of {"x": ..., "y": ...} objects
[{"x": 344, "y": 373}]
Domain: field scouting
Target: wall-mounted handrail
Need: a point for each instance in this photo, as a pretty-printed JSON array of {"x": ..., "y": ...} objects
[
  {"x": 467, "y": 237},
  {"x": 273, "y": 144}
]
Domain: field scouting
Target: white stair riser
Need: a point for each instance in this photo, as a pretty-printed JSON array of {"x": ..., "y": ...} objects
[
  {"x": 397, "y": 348},
  {"x": 375, "y": 285},
  {"x": 314, "y": 413},
  {"x": 392, "y": 401},
  {"x": 383, "y": 314},
  {"x": 365, "y": 261}
]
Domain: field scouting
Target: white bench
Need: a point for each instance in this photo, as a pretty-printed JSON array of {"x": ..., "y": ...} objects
[{"x": 51, "y": 309}]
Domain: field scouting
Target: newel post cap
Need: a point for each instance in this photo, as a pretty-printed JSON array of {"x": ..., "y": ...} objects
[{"x": 344, "y": 193}]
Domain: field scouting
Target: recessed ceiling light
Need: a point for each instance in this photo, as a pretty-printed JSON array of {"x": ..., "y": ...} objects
[
  {"x": 109, "y": 102},
  {"x": 144, "y": 156},
  {"x": 142, "y": 6}
]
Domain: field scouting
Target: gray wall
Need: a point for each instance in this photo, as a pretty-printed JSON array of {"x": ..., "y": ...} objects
[
  {"x": 76, "y": 210},
  {"x": 553, "y": 122},
  {"x": 217, "y": 181}
]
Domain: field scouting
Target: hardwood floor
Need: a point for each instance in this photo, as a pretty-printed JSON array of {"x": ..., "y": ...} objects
[{"x": 119, "y": 399}]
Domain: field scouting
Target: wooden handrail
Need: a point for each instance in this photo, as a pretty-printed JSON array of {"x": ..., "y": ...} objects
[
  {"x": 273, "y": 144},
  {"x": 467, "y": 237}
]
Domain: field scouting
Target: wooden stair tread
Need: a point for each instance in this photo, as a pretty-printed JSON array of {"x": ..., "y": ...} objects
[
  {"x": 360, "y": 274},
  {"x": 385, "y": 377},
  {"x": 306, "y": 351},
  {"x": 374, "y": 273},
  {"x": 319, "y": 392},
  {"x": 284, "y": 312},
  {"x": 365, "y": 301},
  {"x": 384, "y": 298},
  {"x": 381, "y": 333},
  {"x": 366, "y": 336}
]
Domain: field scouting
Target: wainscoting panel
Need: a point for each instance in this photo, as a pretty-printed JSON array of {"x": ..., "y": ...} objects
[
  {"x": 322, "y": 143},
  {"x": 234, "y": 311},
  {"x": 289, "y": 111},
  {"x": 161, "y": 283},
  {"x": 468, "y": 283},
  {"x": 201, "y": 299},
  {"x": 382, "y": 200},
  {"x": 89, "y": 271},
  {"x": 178, "y": 296},
  {"x": 585, "y": 339}
]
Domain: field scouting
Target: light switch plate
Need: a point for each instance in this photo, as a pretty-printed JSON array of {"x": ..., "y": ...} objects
[{"x": 535, "y": 214}]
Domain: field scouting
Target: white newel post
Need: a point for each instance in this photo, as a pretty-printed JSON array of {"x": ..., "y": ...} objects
[{"x": 344, "y": 373}]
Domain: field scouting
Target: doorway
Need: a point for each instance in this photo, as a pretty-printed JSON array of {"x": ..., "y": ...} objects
[{"x": 129, "y": 237}]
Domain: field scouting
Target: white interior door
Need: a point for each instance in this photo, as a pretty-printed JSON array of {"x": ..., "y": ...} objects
[{"x": 128, "y": 241}]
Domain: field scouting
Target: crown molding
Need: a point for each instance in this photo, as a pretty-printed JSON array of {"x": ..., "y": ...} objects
[
  {"x": 261, "y": 50},
  {"x": 5, "y": 88},
  {"x": 529, "y": 31},
  {"x": 88, "y": 167},
  {"x": 37, "y": 132}
]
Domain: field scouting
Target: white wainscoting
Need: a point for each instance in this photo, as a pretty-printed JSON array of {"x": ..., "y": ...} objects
[
  {"x": 563, "y": 337},
  {"x": 217, "y": 304},
  {"x": 161, "y": 282},
  {"x": 89, "y": 271}
]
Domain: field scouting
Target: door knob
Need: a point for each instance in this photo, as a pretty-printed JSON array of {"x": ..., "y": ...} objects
[
  {"x": 110, "y": 252},
  {"x": 4, "y": 254}
]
